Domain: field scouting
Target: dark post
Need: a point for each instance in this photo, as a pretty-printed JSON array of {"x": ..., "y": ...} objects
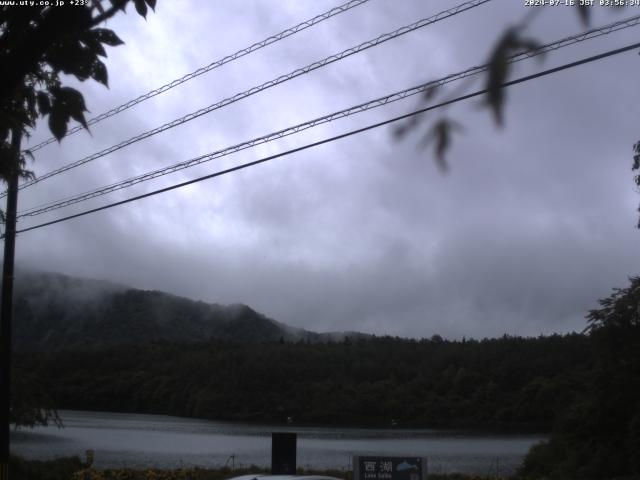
[
  {"x": 6, "y": 310},
  {"x": 283, "y": 453}
]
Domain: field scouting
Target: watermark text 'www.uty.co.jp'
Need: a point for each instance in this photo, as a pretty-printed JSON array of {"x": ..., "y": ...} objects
[{"x": 42, "y": 3}]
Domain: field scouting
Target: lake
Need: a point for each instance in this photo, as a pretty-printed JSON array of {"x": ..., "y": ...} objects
[{"x": 138, "y": 441}]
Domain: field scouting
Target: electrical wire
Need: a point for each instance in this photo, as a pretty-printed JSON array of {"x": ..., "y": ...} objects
[
  {"x": 202, "y": 70},
  {"x": 378, "y": 102},
  {"x": 271, "y": 83},
  {"x": 337, "y": 137}
]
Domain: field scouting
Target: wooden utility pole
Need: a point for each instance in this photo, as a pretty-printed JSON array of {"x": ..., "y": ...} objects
[{"x": 6, "y": 310}]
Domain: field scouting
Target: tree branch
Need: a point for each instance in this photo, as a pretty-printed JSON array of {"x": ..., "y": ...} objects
[
  {"x": 107, "y": 14},
  {"x": 22, "y": 60}
]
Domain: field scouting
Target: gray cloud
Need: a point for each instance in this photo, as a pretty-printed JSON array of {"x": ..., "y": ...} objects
[{"x": 531, "y": 226}]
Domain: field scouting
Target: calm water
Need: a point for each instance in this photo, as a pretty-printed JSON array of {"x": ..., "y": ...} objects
[{"x": 152, "y": 440}]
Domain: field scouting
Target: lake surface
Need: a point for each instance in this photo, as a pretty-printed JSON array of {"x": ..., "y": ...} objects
[{"x": 138, "y": 441}]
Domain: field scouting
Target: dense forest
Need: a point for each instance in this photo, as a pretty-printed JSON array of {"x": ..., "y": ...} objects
[
  {"x": 506, "y": 383},
  {"x": 584, "y": 389},
  {"x": 598, "y": 434}
]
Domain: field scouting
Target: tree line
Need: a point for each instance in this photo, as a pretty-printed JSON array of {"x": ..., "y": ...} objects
[
  {"x": 509, "y": 382},
  {"x": 581, "y": 388}
]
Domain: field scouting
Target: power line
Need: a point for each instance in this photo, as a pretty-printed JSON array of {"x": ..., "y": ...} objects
[
  {"x": 337, "y": 137},
  {"x": 271, "y": 83},
  {"x": 218, "y": 63},
  {"x": 378, "y": 102},
  {"x": 243, "y": 146}
]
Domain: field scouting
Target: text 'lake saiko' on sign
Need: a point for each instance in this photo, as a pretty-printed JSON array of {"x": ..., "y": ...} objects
[{"x": 388, "y": 468}]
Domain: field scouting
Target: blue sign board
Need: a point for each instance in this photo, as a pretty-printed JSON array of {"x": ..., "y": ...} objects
[{"x": 389, "y": 468}]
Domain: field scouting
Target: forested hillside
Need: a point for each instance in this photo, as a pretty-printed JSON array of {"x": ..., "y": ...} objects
[
  {"x": 54, "y": 312},
  {"x": 99, "y": 346},
  {"x": 507, "y": 382}
]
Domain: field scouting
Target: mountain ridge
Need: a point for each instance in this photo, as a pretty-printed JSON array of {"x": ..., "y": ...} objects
[{"x": 54, "y": 311}]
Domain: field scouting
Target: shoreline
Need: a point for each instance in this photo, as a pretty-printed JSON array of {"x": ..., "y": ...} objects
[
  {"x": 480, "y": 429},
  {"x": 72, "y": 468},
  {"x": 147, "y": 441}
]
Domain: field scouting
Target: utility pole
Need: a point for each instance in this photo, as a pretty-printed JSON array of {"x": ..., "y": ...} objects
[{"x": 6, "y": 310}]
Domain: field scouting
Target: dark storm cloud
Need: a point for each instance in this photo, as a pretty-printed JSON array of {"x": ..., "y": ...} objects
[{"x": 531, "y": 225}]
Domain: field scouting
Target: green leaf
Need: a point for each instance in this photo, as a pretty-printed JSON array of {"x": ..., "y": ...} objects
[
  {"x": 72, "y": 59},
  {"x": 78, "y": 116},
  {"x": 441, "y": 133},
  {"x": 404, "y": 128},
  {"x": 72, "y": 97},
  {"x": 99, "y": 73},
  {"x": 67, "y": 103},
  {"x": 73, "y": 101},
  {"x": 106, "y": 36},
  {"x": 499, "y": 68},
  {"x": 44, "y": 103},
  {"x": 141, "y": 7},
  {"x": 584, "y": 13},
  {"x": 93, "y": 43},
  {"x": 58, "y": 123}
]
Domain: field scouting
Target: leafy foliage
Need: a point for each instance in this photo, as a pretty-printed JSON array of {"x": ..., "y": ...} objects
[
  {"x": 619, "y": 313},
  {"x": 508, "y": 382},
  {"x": 58, "y": 469},
  {"x": 636, "y": 166},
  {"x": 31, "y": 403},
  {"x": 599, "y": 434},
  {"x": 510, "y": 43},
  {"x": 440, "y": 134},
  {"x": 39, "y": 44},
  {"x": 71, "y": 468}
]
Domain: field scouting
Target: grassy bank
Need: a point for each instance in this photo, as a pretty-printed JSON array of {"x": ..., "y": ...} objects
[{"x": 73, "y": 468}]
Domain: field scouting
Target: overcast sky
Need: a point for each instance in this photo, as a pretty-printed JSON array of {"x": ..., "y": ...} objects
[{"x": 530, "y": 226}]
